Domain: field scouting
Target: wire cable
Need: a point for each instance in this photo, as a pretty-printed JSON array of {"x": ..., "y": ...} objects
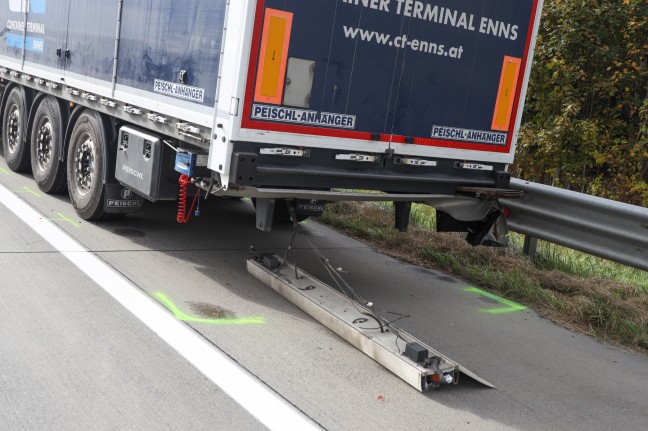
[{"x": 344, "y": 287}]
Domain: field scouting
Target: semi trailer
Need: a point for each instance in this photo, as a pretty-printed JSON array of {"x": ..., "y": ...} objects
[{"x": 294, "y": 103}]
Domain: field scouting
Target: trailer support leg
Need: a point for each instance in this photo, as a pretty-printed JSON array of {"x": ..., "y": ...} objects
[{"x": 264, "y": 213}]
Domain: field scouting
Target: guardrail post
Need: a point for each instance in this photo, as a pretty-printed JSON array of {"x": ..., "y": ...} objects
[
  {"x": 530, "y": 245},
  {"x": 402, "y": 211}
]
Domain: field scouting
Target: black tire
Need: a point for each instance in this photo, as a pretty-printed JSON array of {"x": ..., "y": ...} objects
[
  {"x": 14, "y": 129},
  {"x": 46, "y": 147},
  {"x": 85, "y": 166}
]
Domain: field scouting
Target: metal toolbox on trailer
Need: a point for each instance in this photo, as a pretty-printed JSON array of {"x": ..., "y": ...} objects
[{"x": 143, "y": 162}]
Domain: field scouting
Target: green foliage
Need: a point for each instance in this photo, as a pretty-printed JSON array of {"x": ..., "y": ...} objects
[{"x": 586, "y": 119}]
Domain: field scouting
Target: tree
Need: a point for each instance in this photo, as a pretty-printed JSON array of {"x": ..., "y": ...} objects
[{"x": 585, "y": 125}]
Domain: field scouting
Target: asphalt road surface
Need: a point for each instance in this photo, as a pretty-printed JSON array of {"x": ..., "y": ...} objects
[{"x": 74, "y": 357}]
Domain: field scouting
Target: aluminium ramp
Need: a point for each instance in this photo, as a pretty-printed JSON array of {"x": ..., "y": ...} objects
[{"x": 351, "y": 321}]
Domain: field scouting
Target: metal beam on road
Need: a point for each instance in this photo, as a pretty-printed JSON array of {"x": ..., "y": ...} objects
[{"x": 384, "y": 343}]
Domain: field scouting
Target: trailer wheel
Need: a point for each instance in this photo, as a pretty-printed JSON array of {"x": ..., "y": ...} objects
[
  {"x": 14, "y": 120},
  {"x": 85, "y": 166},
  {"x": 46, "y": 147}
]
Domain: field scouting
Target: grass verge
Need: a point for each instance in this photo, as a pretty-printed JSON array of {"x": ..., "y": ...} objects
[{"x": 580, "y": 292}]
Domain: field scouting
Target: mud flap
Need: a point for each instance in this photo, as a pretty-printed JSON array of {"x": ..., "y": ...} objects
[
  {"x": 490, "y": 231},
  {"x": 121, "y": 200},
  {"x": 309, "y": 207}
]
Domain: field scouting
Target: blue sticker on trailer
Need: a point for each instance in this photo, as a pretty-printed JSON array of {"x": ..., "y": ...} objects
[
  {"x": 444, "y": 72},
  {"x": 21, "y": 6},
  {"x": 38, "y": 6},
  {"x": 30, "y": 43}
]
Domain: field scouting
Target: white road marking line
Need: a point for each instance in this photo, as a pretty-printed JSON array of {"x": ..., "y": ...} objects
[{"x": 253, "y": 395}]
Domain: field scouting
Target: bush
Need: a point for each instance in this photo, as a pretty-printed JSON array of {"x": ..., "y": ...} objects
[{"x": 586, "y": 119}]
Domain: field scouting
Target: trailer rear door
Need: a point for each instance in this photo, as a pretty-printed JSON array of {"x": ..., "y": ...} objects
[
  {"x": 462, "y": 72},
  {"x": 391, "y": 73},
  {"x": 308, "y": 76}
]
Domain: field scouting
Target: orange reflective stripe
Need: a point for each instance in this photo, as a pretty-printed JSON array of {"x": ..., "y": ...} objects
[
  {"x": 273, "y": 56},
  {"x": 506, "y": 93}
]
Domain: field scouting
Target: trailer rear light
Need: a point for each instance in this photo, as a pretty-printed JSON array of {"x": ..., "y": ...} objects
[
  {"x": 294, "y": 152},
  {"x": 506, "y": 212},
  {"x": 356, "y": 157},
  {"x": 107, "y": 102}
]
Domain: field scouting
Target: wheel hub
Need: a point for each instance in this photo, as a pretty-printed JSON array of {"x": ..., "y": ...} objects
[
  {"x": 44, "y": 145},
  {"x": 13, "y": 129},
  {"x": 84, "y": 165}
]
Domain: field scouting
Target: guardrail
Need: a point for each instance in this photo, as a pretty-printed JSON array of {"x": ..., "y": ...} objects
[{"x": 597, "y": 226}]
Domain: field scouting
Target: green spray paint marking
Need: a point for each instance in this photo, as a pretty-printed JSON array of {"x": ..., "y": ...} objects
[
  {"x": 510, "y": 305},
  {"x": 26, "y": 189},
  {"x": 63, "y": 218},
  {"x": 180, "y": 315},
  {"x": 4, "y": 171}
]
